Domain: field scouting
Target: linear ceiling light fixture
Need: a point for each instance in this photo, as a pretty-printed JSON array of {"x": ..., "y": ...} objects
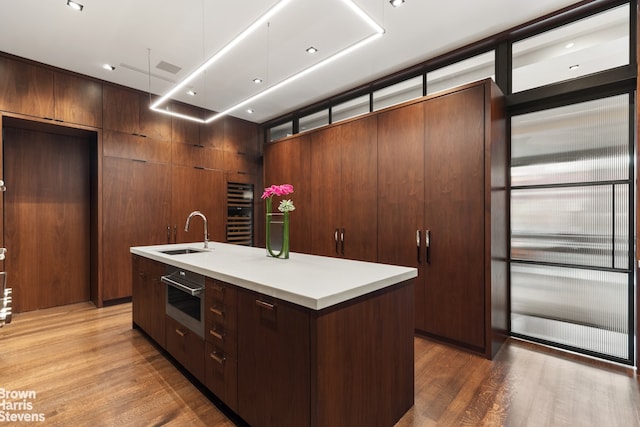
[{"x": 377, "y": 32}]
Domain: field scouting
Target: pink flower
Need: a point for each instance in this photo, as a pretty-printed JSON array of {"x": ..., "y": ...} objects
[{"x": 277, "y": 190}]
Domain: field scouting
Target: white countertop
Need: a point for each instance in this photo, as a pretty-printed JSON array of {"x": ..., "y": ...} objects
[{"x": 311, "y": 281}]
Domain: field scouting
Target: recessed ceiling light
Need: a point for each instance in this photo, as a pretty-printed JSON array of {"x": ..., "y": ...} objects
[
  {"x": 191, "y": 92},
  {"x": 75, "y": 6},
  {"x": 396, "y": 3},
  {"x": 257, "y": 80},
  {"x": 574, "y": 67},
  {"x": 569, "y": 45},
  {"x": 108, "y": 67},
  {"x": 311, "y": 49}
]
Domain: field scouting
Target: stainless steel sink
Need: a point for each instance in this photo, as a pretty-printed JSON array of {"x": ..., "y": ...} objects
[{"x": 182, "y": 251}]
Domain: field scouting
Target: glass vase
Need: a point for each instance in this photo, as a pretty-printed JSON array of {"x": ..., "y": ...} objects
[{"x": 277, "y": 232}]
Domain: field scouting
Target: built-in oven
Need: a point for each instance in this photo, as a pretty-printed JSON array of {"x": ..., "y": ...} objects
[{"x": 185, "y": 298}]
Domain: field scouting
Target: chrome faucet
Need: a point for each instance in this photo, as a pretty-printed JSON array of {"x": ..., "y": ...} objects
[{"x": 206, "y": 231}]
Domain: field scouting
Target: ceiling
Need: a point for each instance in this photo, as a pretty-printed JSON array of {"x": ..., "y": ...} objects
[{"x": 155, "y": 44}]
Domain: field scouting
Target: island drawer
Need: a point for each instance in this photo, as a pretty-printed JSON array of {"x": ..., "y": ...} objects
[
  {"x": 222, "y": 337},
  {"x": 221, "y": 315},
  {"x": 220, "y": 370},
  {"x": 185, "y": 346}
]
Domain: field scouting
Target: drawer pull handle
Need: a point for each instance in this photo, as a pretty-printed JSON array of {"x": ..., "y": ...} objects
[
  {"x": 180, "y": 332},
  {"x": 266, "y": 305},
  {"x": 219, "y": 359},
  {"x": 216, "y": 311},
  {"x": 217, "y": 334}
]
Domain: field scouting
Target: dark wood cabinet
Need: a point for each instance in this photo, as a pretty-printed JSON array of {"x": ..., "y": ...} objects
[
  {"x": 273, "y": 349},
  {"x": 401, "y": 193},
  {"x": 135, "y": 147},
  {"x": 183, "y": 130},
  {"x": 442, "y": 209},
  {"x": 136, "y": 206},
  {"x": 221, "y": 341},
  {"x": 455, "y": 217},
  {"x": 149, "y": 298},
  {"x": 344, "y": 187},
  {"x": 240, "y": 146},
  {"x": 26, "y": 88},
  {"x": 289, "y": 162},
  {"x": 127, "y": 110},
  {"x": 197, "y": 189},
  {"x": 276, "y": 363},
  {"x": 77, "y": 100},
  {"x": 186, "y": 347}
]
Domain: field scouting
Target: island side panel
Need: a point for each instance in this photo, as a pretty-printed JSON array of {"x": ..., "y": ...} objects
[{"x": 363, "y": 360}]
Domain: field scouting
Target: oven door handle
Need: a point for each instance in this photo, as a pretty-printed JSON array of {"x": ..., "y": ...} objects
[{"x": 184, "y": 288}]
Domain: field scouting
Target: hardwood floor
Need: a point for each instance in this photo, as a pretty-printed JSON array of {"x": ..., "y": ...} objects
[{"x": 87, "y": 367}]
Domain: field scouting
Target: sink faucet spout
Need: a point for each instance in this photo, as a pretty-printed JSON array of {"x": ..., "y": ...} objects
[{"x": 206, "y": 229}]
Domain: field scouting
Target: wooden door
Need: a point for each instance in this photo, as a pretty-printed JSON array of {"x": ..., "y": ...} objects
[
  {"x": 454, "y": 215},
  {"x": 358, "y": 190},
  {"x": 401, "y": 193},
  {"x": 197, "y": 189},
  {"x": 288, "y": 162},
  {"x": 136, "y": 206},
  {"x": 326, "y": 186},
  {"x": 47, "y": 218}
]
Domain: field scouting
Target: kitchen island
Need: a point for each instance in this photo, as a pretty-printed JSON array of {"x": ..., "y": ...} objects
[{"x": 310, "y": 340}]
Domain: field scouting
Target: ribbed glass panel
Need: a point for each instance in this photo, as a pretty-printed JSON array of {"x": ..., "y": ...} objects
[
  {"x": 563, "y": 225},
  {"x": 571, "y": 265},
  {"x": 586, "y": 309},
  {"x": 469, "y": 70},
  {"x": 599, "y": 42},
  {"x": 621, "y": 228},
  {"x": 585, "y": 142}
]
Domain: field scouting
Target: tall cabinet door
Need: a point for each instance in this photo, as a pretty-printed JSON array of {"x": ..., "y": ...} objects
[
  {"x": 136, "y": 199},
  {"x": 401, "y": 193},
  {"x": 344, "y": 188},
  {"x": 326, "y": 185},
  {"x": 198, "y": 189},
  {"x": 288, "y": 162},
  {"x": 358, "y": 190},
  {"x": 454, "y": 216}
]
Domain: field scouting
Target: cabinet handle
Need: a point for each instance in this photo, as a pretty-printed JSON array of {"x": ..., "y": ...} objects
[
  {"x": 427, "y": 244},
  {"x": 418, "y": 244},
  {"x": 219, "y": 359},
  {"x": 335, "y": 237},
  {"x": 216, "y": 334},
  {"x": 180, "y": 332},
  {"x": 175, "y": 234},
  {"x": 216, "y": 311},
  {"x": 342, "y": 241},
  {"x": 168, "y": 234},
  {"x": 266, "y": 305}
]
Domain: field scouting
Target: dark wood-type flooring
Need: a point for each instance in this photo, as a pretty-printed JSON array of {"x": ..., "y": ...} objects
[{"x": 88, "y": 367}]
